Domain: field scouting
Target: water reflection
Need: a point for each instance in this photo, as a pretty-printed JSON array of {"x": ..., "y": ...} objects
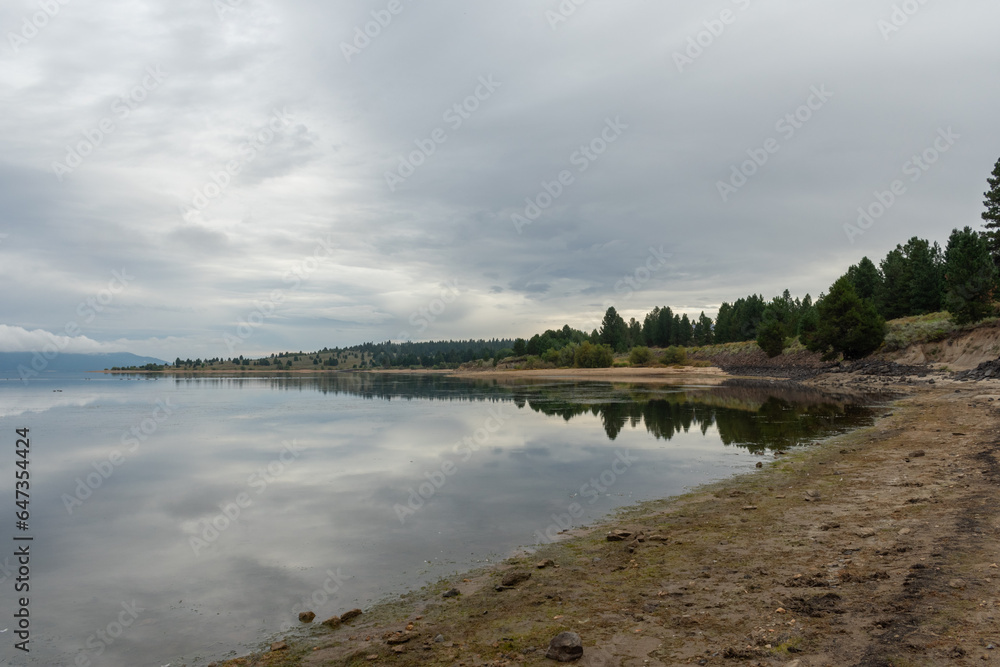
[
  {"x": 364, "y": 443},
  {"x": 748, "y": 414}
]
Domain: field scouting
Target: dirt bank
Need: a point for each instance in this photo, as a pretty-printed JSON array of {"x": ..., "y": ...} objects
[
  {"x": 960, "y": 351},
  {"x": 875, "y": 548}
]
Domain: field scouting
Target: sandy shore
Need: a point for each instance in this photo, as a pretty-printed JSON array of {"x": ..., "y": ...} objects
[
  {"x": 874, "y": 548},
  {"x": 663, "y": 374}
]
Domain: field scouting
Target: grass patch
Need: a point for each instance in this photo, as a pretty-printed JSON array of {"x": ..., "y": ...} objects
[{"x": 906, "y": 331}]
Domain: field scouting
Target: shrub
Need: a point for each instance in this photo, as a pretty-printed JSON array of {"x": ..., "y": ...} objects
[
  {"x": 674, "y": 355},
  {"x": 589, "y": 355},
  {"x": 551, "y": 356},
  {"x": 567, "y": 355},
  {"x": 640, "y": 356}
]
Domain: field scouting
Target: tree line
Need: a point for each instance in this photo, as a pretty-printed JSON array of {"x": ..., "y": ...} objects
[{"x": 915, "y": 278}]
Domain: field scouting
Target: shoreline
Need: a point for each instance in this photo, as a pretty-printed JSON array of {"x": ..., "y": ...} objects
[
  {"x": 683, "y": 374},
  {"x": 874, "y": 547}
]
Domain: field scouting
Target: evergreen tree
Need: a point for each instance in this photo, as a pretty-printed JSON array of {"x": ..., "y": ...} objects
[
  {"x": 894, "y": 295},
  {"x": 970, "y": 277},
  {"x": 664, "y": 327},
  {"x": 649, "y": 326},
  {"x": 635, "y": 333},
  {"x": 520, "y": 347},
  {"x": 866, "y": 278},
  {"x": 724, "y": 324},
  {"x": 771, "y": 336},
  {"x": 683, "y": 332},
  {"x": 534, "y": 345},
  {"x": 808, "y": 323},
  {"x": 926, "y": 278},
  {"x": 698, "y": 335},
  {"x": 847, "y": 324},
  {"x": 992, "y": 214},
  {"x": 708, "y": 336},
  {"x": 614, "y": 331},
  {"x": 747, "y": 314}
]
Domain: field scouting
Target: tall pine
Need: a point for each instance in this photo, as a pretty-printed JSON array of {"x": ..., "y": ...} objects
[
  {"x": 970, "y": 277},
  {"x": 992, "y": 214}
]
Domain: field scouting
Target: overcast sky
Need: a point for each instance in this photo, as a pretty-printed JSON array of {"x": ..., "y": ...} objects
[{"x": 358, "y": 194}]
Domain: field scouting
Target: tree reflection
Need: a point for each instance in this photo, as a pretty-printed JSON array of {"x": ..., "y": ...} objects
[{"x": 747, "y": 415}]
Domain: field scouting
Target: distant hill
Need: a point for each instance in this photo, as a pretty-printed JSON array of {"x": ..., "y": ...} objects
[{"x": 74, "y": 363}]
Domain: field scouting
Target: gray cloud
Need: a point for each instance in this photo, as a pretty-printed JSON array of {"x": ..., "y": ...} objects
[{"x": 318, "y": 178}]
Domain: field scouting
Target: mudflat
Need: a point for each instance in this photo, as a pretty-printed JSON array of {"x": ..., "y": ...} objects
[{"x": 873, "y": 548}]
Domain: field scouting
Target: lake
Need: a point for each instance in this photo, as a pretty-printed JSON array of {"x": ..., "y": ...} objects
[{"x": 178, "y": 519}]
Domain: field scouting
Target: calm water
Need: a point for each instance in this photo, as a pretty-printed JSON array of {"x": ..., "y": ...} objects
[{"x": 339, "y": 491}]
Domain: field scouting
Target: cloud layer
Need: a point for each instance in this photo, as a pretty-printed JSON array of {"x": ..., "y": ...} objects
[{"x": 317, "y": 174}]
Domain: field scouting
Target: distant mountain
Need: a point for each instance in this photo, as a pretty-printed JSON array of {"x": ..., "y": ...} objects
[{"x": 72, "y": 363}]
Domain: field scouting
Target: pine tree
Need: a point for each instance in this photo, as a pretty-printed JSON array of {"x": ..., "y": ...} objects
[
  {"x": 520, "y": 347},
  {"x": 649, "y": 326},
  {"x": 847, "y": 324},
  {"x": 866, "y": 278},
  {"x": 724, "y": 324},
  {"x": 992, "y": 214},
  {"x": 894, "y": 294},
  {"x": 925, "y": 276},
  {"x": 665, "y": 327},
  {"x": 683, "y": 332},
  {"x": 970, "y": 277},
  {"x": 614, "y": 331},
  {"x": 771, "y": 336},
  {"x": 634, "y": 333},
  {"x": 708, "y": 335},
  {"x": 808, "y": 323}
]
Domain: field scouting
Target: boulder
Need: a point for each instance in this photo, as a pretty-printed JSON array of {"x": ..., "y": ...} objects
[{"x": 565, "y": 647}]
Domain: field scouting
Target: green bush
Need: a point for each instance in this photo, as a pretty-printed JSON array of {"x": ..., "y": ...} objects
[
  {"x": 567, "y": 355},
  {"x": 551, "y": 356},
  {"x": 674, "y": 355},
  {"x": 589, "y": 355},
  {"x": 640, "y": 356}
]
